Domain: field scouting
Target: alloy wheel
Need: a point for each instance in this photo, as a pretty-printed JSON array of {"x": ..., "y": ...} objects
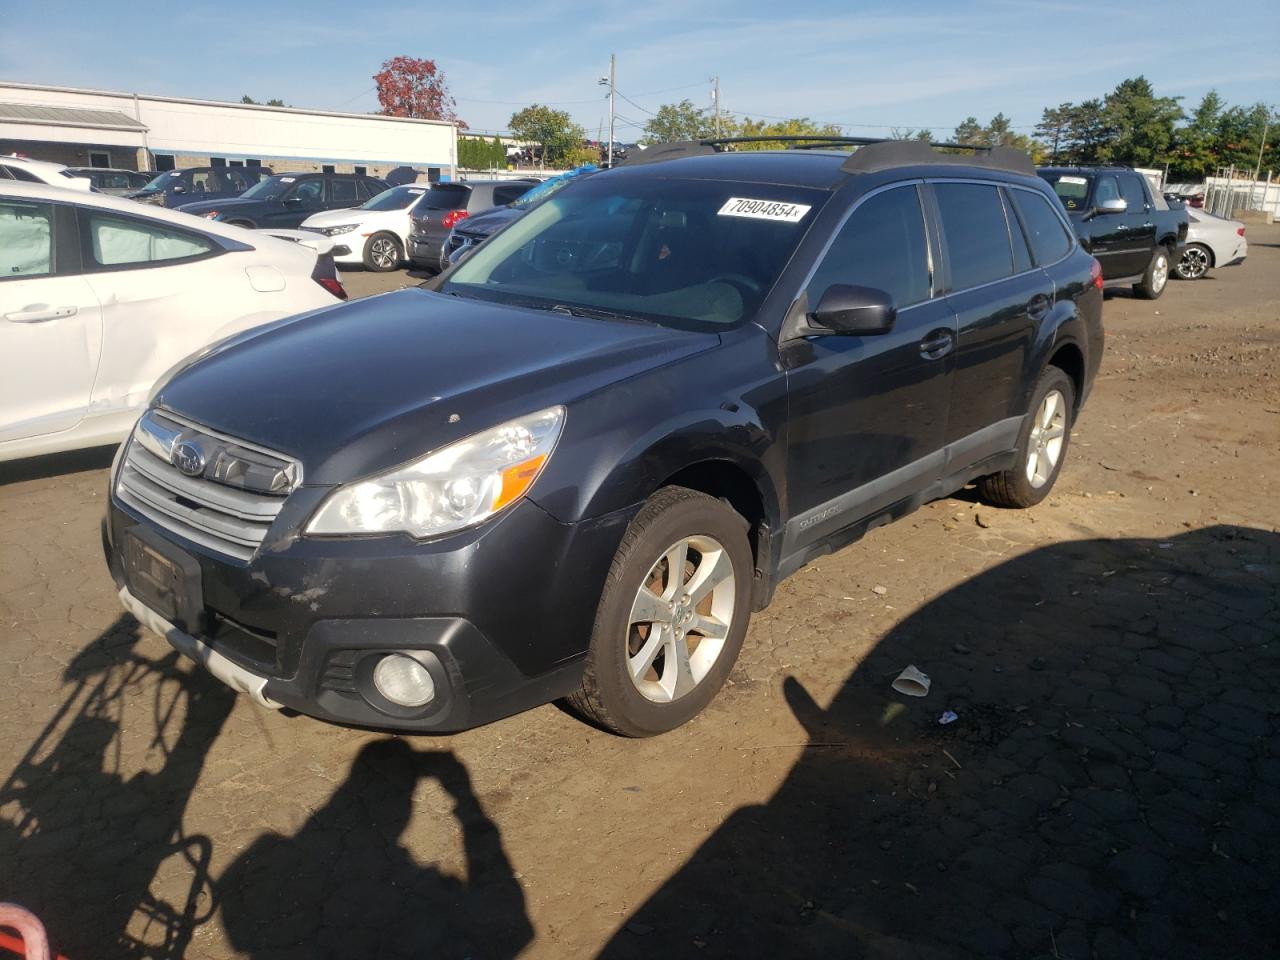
[
  {"x": 383, "y": 252},
  {"x": 680, "y": 619},
  {"x": 1194, "y": 264},
  {"x": 1044, "y": 445},
  {"x": 1160, "y": 273}
]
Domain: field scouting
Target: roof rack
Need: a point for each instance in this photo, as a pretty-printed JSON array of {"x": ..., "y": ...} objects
[{"x": 871, "y": 154}]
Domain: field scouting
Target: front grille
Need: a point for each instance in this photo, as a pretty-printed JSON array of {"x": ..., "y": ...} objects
[{"x": 225, "y": 499}]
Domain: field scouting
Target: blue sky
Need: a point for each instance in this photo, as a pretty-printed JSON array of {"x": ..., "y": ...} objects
[{"x": 868, "y": 65}]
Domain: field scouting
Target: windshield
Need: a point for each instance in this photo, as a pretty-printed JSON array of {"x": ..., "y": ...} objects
[
  {"x": 1071, "y": 189},
  {"x": 444, "y": 197},
  {"x": 397, "y": 198},
  {"x": 268, "y": 189},
  {"x": 160, "y": 180},
  {"x": 695, "y": 251}
]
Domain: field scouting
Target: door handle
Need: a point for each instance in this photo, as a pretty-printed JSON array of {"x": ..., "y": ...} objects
[
  {"x": 39, "y": 313},
  {"x": 937, "y": 344},
  {"x": 1038, "y": 306}
]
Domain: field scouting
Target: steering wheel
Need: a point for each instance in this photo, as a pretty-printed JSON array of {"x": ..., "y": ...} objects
[{"x": 739, "y": 280}]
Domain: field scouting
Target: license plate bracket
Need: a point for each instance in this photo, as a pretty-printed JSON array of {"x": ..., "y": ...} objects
[{"x": 164, "y": 578}]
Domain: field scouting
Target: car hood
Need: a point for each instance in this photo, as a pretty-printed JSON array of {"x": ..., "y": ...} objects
[
  {"x": 483, "y": 224},
  {"x": 331, "y": 218},
  {"x": 362, "y": 387},
  {"x": 230, "y": 203}
]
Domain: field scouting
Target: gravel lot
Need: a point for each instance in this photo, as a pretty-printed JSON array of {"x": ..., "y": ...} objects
[{"x": 1110, "y": 789}]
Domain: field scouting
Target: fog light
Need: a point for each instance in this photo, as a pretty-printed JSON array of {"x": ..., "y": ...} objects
[{"x": 403, "y": 681}]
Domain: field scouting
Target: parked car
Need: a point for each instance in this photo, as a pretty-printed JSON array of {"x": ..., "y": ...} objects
[
  {"x": 576, "y": 467},
  {"x": 285, "y": 200},
  {"x": 100, "y": 296},
  {"x": 1134, "y": 233},
  {"x": 374, "y": 234},
  {"x": 173, "y": 188},
  {"x": 1211, "y": 242},
  {"x": 117, "y": 183},
  {"x": 448, "y": 203},
  {"x": 13, "y": 167},
  {"x": 467, "y": 234}
]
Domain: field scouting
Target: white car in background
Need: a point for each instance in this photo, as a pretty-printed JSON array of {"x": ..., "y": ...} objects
[
  {"x": 26, "y": 170},
  {"x": 101, "y": 296},
  {"x": 1211, "y": 242},
  {"x": 374, "y": 234}
]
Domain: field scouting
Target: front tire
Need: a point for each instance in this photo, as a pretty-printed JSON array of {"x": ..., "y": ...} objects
[
  {"x": 1157, "y": 276},
  {"x": 1042, "y": 446},
  {"x": 382, "y": 253},
  {"x": 1194, "y": 263},
  {"x": 672, "y": 616}
]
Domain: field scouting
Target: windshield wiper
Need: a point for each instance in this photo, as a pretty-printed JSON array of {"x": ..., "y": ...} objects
[{"x": 594, "y": 313}]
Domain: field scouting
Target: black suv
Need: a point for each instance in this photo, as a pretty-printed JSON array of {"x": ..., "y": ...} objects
[
  {"x": 287, "y": 199},
  {"x": 577, "y": 466},
  {"x": 1132, "y": 231},
  {"x": 447, "y": 204}
]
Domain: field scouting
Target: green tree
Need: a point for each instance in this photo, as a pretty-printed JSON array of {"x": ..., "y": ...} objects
[
  {"x": 274, "y": 102},
  {"x": 1052, "y": 129},
  {"x": 553, "y": 130},
  {"x": 681, "y": 121},
  {"x": 1195, "y": 145},
  {"x": 998, "y": 133},
  {"x": 798, "y": 127},
  {"x": 1141, "y": 124},
  {"x": 924, "y": 135}
]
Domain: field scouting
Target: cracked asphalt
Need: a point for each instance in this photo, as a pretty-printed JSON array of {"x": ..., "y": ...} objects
[{"x": 1111, "y": 787}]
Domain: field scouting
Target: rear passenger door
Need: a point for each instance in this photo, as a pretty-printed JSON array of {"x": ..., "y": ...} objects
[
  {"x": 999, "y": 298},
  {"x": 868, "y": 414},
  {"x": 341, "y": 194}
]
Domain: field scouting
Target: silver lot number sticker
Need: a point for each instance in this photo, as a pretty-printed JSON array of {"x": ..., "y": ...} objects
[{"x": 764, "y": 209}]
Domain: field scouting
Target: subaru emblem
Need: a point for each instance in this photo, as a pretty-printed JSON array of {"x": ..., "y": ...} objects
[{"x": 188, "y": 457}]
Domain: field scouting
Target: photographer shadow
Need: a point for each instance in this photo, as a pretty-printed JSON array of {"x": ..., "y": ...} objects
[
  {"x": 346, "y": 886},
  {"x": 1111, "y": 788}
]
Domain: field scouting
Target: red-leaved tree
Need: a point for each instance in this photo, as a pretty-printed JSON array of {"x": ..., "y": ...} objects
[{"x": 409, "y": 87}]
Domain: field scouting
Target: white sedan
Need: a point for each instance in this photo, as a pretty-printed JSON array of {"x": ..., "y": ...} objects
[
  {"x": 14, "y": 167},
  {"x": 1211, "y": 242},
  {"x": 373, "y": 235},
  {"x": 101, "y": 296}
]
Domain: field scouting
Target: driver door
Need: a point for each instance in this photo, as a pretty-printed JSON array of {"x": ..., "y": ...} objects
[
  {"x": 303, "y": 199},
  {"x": 868, "y": 413}
]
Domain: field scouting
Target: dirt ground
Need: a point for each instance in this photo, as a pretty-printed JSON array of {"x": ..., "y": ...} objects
[{"x": 1110, "y": 789}]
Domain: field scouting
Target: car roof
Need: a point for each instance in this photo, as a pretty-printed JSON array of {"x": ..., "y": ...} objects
[
  {"x": 1085, "y": 168},
  {"x": 803, "y": 168},
  {"x": 29, "y": 162},
  {"x": 104, "y": 201}
]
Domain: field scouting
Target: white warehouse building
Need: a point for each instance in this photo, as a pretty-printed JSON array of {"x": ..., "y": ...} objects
[{"x": 134, "y": 131}]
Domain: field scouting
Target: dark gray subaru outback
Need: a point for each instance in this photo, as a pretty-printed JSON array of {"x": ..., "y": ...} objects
[{"x": 576, "y": 466}]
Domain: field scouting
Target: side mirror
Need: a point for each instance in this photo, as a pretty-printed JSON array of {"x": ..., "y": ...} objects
[
  {"x": 854, "y": 310},
  {"x": 1112, "y": 206},
  {"x": 179, "y": 188},
  {"x": 291, "y": 200}
]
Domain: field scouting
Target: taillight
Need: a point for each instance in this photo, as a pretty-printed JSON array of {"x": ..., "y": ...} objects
[
  {"x": 1095, "y": 273},
  {"x": 452, "y": 217},
  {"x": 325, "y": 273},
  {"x": 1239, "y": 231}
]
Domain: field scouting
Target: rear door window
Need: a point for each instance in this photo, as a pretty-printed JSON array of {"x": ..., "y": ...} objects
[
  {"x": 881, "y": 245},
  {"x": 114, "y": 242},
  {"x": 342, "y": 191},
  {"x": 26, "y": 239},
  {"x": 1048, "y": 237},
  {"x": 975, "y": 233}
]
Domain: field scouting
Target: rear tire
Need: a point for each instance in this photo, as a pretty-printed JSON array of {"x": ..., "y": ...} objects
[
  {"x": 1157, "y": 276},
  {"x": 382, "y": 253},
  {"x": 1042, "y": 446},
  {"x": 663, "y": 643},
  {"x": 1194, "y": 263}
]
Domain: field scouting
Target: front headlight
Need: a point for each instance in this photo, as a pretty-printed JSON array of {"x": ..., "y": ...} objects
[
  {"x": 334, "y": 231},
  {"x": 455, "y": 487}
]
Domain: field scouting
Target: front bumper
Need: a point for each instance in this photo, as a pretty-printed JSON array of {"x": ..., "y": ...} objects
[{"x": 501, "y": 615}]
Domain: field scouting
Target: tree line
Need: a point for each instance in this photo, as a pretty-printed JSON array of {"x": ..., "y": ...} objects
[{"x": 1131, "y": 124}]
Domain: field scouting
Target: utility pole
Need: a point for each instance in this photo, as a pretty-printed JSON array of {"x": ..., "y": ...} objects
[
  {"x": 1266, "y": 124},
  {"x": 716, "y": 96}
]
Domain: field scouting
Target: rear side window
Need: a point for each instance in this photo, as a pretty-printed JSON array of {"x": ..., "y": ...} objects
[
  {"x": 342, "y": 191},
  {"x": 1048, "y": 238},
  {"x": 17, "y": 173},
  {"x": 881, "y": 245},
  {"x": 444, "y": 197},
  {"x": 121, "y": 242},
  {"x": 1131, "y": 190},
  {"x": 975, "y": 232},
  {"x": 505, "y": 194},
  {"x": 26, "y": 239}
]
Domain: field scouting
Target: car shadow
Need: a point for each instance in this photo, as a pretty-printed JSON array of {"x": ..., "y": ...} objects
[
  {"x": 87, "y": 827},
  {"x": 57, "y": 464},
  {"x": 1111, "y": 787},
  {"x": 346, "y": 886}
]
